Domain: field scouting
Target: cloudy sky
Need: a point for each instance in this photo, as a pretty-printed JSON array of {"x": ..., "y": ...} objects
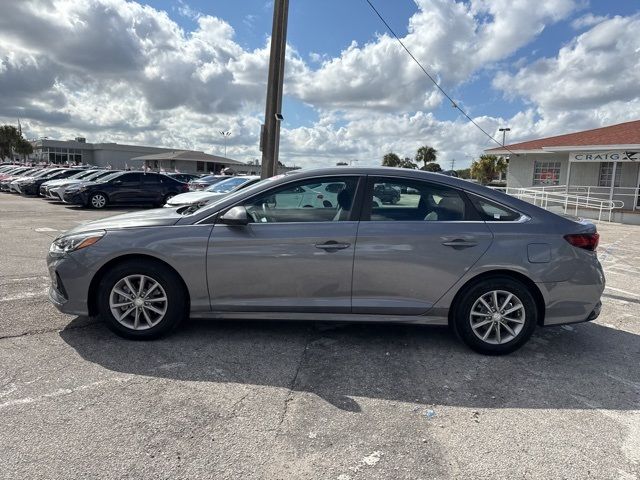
[{"x": 174, "y": 73}]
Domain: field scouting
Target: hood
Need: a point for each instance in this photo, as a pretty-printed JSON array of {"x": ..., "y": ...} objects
[
  {"x": 84, "y": 184},
  {"x": 158, "y": 217},
  {"x": 194, "y": 197},
  {"x": 62, "y": 181}
]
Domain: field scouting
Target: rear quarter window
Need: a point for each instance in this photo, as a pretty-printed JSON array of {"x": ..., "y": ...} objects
[{"x": 491, "y": 211}]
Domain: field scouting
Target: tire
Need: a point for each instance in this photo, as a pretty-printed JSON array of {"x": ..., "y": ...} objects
[
  {"x": 521, "y": 321},
  {"x": 98, "y": 201},
  {"x": 150, "y": 324},
  {"x": 167, "y": 197}
]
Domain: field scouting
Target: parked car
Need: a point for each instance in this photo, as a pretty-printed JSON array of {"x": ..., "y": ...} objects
[
  {"x": 125, "y": 188},
  {"x": 182, "y": 177},
  {"x": 78, "y": 175},
  {"x": 489, "y": 265},
  {"x": 31, "y": 185},
  {"x": 56, "y": 192},
  {"x": 11, "y": 174},
  {"x": 387, "y": 193},
  {"x": 5, "y": 183},
  {"x": 212, "y": 193},
  {"x": 206, "y": 181}
]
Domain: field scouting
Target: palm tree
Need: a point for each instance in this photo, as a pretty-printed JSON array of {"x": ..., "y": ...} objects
[
  {"x": 391, "y": 160},
  {"x": 426, "y": 154}
]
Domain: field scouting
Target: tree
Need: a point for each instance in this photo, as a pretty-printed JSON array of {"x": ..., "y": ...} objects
[
  {"x": 432, "y": 167},
  {"x": 426, "y": 154},
  {"x": 407, "y": 163},
  {"x": 342, "y": 164},
  {"x": 464, "y": 173},
  {"x": 501, "y": 166},
  {"x": 9, "y": 138},
  {"x": 23, "y": 148},
  {"x": 487, "y": 168},
  {"x": 391, "y": 160}
]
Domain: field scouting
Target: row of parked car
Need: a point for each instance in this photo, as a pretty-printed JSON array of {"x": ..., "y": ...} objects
[{"x": 98, "y": 188}]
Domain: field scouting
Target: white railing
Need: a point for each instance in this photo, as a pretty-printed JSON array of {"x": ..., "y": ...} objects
[{"x": 557, "y": 198}]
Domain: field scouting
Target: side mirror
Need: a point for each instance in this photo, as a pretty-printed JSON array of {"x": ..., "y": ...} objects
[{"x": 235, "y": 216}]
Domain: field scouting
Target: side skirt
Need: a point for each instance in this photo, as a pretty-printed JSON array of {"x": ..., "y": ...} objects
[{"x": 324, "y": 317}]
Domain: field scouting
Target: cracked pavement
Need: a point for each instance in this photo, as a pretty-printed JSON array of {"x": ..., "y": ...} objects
[{"x": 276, "y": 400}]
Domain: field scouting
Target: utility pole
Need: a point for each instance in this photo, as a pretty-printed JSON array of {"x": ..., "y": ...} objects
[
  {"x": 270, "y": 134},
  {"x": 453, "y": 162},
  {"x": 504, "y": 133}
]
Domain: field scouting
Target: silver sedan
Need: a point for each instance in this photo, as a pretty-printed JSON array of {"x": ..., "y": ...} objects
[{"x": 447, "y": 252}]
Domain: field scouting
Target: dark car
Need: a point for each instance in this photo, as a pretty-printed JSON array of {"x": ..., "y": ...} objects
[
  {"x": 183, "y": 177},
  {"x": 206, "y": 181},
  {"x": 125, "y": 188},
  {"x": 387, "y": 193},
  {"x": 31, "y": 185}
]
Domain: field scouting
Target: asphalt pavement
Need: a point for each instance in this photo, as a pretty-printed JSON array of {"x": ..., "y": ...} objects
[{"x": 277, "y": 400}]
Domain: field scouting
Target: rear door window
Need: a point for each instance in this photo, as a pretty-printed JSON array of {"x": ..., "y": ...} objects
[{"x": 397, "y": 199}]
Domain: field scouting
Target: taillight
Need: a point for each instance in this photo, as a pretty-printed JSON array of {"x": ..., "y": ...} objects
[
  {"x": 588, "y": 241},
  {"x": 185, "y": 188}
]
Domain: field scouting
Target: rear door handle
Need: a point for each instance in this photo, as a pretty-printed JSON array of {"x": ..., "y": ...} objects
[
  {"x": 459, "y": 243},
  {"x": 332, "y": 245}
]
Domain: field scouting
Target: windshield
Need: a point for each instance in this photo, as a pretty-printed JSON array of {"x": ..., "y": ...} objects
[
  {"x": 225, "y": 186},
  {"x": 43, "y": 173},
  {"x": 256, "y": 186},
  {"x": 97, "y": 175},
  {"x": 81, "y": 174},
  {"x": 110, "y": 177}
]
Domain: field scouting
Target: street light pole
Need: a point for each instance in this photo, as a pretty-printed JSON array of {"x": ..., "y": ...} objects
[
  {"x": 225, "y": 135},
  {"x": 504, "y": 133},
  {"x": 270, "y": 134}
]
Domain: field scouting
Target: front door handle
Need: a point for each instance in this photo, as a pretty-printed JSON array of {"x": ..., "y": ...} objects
[
  {"x": 459, "y": 243},
  {"x": 332, "y": 245}
]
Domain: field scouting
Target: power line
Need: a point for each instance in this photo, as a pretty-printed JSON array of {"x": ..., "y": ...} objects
[{"x": 453, "y": 103}]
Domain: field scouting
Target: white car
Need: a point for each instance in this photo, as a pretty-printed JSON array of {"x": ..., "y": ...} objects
[{"x": 212, "y": 193}]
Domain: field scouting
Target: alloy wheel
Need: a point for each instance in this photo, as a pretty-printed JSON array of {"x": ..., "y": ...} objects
[
  {"x": 138, "y": 302},
  {"x": 98, "y": 201},
  {"x": 497, "y": 317}
]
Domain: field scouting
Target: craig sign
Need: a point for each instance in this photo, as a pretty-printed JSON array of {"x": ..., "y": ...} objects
[{"x": 612, "y": 156}]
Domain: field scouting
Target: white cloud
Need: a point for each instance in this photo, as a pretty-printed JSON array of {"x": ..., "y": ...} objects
[
  {"x": 592, "y": 81},
  {"x": 451, "y": 39},
  {"x": 587, "y": 20},
  {"x": 116, "y": 70}
]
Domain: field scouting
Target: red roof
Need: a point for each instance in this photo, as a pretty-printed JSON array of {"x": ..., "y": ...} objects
[{"x": 621, "y": 134}]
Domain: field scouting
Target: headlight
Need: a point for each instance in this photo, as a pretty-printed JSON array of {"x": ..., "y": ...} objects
[{"x": 71, "y": 243}]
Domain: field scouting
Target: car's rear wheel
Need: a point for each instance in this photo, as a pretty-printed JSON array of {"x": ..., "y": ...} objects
[
  {"x": 141, "y": 300},
  {"x": 168, "y": 197},
  {"x": 495, "y": 316},
  {"x": 98, "y": 200}
]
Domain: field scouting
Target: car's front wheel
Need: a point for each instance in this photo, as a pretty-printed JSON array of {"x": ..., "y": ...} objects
[
  {"x": 495, "y": 316},
  {"x": 141, "y": 300},
  {"x": 98, "y": 200}
]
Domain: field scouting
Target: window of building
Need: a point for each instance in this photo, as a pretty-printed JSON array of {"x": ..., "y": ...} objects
[
  {"x": 199, "y": 166},
  {"x": 546, "y": 173},
  {"x": 606, "y": 173}
]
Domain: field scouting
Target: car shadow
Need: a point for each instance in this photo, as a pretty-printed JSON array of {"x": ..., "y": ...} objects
[{"x": 586, "y": 366}]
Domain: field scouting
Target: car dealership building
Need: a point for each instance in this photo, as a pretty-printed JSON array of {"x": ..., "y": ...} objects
[{"x": 602, "y": 163}]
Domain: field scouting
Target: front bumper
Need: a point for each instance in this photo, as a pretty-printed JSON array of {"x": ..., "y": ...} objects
[
  {"x": 67, "y": 275},
  {"x": 75, "y": 198}
]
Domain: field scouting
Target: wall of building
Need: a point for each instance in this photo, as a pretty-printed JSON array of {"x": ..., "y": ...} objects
[
  {"x": 521, "y": 168},
  {"x": 521, "y": 172},
  {"x": 119, "y": 156}
]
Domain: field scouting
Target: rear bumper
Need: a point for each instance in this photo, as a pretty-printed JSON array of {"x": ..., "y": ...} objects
[{"x": 569, "y": 302}]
